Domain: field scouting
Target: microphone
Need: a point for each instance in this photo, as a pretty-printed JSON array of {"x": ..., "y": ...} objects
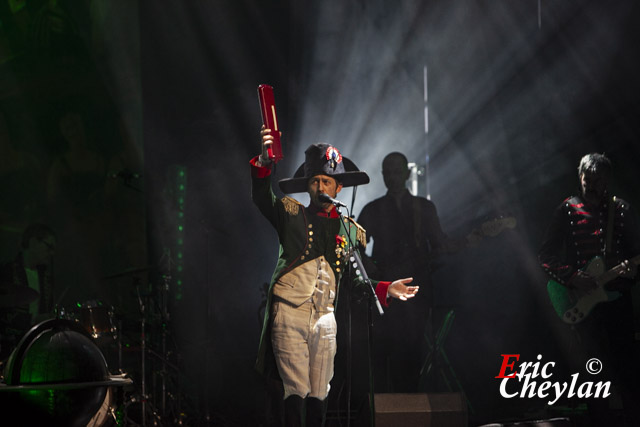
[
  {"x": 325, "y": 198},
  {"x": 125, "y": 174}
]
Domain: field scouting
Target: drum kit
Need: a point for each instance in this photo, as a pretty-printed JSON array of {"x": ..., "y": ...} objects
[{"x": 134, "y": 346}]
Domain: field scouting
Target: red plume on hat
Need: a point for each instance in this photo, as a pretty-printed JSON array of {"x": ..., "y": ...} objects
[{"x": 324, "y": 159}]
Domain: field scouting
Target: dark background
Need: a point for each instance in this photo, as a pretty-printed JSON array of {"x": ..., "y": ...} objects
[{"x": 518, "y": 91}]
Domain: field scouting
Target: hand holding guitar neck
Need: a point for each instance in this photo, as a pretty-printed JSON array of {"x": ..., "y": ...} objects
[
  {"x": 627, "y": 269},
  {"x": 272, "y": 150},
  {"x": 490, "y": 228}
]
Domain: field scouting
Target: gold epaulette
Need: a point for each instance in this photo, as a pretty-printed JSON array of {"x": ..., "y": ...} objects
[
  {"x": 361, "y": 233},
  {"x": 291, "y": 205}
]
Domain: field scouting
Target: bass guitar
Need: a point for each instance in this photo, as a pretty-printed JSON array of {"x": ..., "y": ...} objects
[
  {"x": 574, "y": 305},
  {"x": 490, "y": 228},
  {"x": 420, "y": 259}
]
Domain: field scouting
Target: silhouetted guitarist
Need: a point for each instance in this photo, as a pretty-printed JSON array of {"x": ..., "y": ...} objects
[{"x": 588, "y": 228}]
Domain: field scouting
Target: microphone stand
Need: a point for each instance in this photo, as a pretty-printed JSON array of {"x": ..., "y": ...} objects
[{"x": 355, "y": 262}]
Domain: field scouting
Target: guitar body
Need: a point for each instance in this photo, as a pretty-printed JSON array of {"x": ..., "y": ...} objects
[{"x": 572, "y": 305}]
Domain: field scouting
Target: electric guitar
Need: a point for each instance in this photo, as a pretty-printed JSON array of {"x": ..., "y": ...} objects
[{"x": 574, "y": 305}]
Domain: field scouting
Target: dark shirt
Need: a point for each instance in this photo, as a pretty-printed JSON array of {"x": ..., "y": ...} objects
[
  {"x": 404, "y": 234},
  {"x": 16, "y": 320}
]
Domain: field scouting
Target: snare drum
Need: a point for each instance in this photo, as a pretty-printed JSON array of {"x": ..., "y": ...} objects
[{"x": 97, "y": 319}]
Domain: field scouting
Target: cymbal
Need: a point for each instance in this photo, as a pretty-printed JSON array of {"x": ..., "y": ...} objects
[
  {"x": 14, "y": 296},
  {"x": 112, "y": 381},
  {"x": 128, "y": 272}
]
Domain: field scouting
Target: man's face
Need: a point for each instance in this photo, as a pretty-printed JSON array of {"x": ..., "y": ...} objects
[
  {"x": 395, "y": 173},
  {"x": 593, "y": 186},
  {"x": 323, "y": 184},
  {"x": 41, "y": 250}
]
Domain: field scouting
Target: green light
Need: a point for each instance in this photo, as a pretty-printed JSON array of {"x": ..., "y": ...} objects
[{"x": 180, "y": 200}]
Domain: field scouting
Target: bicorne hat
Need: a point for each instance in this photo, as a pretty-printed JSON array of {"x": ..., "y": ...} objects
[{"x": 324, "y": 159}]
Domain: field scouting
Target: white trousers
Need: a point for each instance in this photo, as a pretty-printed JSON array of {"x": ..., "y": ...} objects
[{"x": 304, "y": 345}]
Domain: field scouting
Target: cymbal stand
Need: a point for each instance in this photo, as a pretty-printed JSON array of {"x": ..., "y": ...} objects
[
  {"x": 165, "y": 318},
  {"x": 164, "y": 321},
  {"x": 143, "y": 399},
  {"x": 120, "y": 371}
]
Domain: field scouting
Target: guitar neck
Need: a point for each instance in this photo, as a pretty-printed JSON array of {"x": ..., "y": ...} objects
[
  {"x": 615, "y": 272},
  {"x": 490, "y": 228}
]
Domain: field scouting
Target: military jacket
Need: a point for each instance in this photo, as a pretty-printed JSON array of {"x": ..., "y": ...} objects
[
  {"x": 578, "y": 233},
  {"x": 303, "y": 236}
]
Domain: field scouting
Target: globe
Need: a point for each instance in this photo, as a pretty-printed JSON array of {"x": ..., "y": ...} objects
[{"x": 56, "y": 376}]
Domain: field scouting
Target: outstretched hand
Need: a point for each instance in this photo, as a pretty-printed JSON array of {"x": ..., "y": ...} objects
[{"x": 399, "y": 290}]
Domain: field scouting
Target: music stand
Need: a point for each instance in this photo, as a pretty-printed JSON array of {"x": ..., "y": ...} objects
[{"x": 436, "y": 356}]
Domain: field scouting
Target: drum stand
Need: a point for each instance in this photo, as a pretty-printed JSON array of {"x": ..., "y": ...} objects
[
  {"x": 143, "y": 397},
  {"x": 146, "y": 408},
  {"x": 163, "y": 356},
  {"x": 143, "y": 349},
  {"x": 120, "y": 346},
  {"x": 167, "y": 367},
  {"x": 155, "y": 411}
]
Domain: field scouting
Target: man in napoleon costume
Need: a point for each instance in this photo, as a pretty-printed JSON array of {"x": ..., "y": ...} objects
[{"x": 298, "y": 340}]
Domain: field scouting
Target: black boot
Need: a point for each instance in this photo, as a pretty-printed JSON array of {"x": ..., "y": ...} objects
[
  {"x": 316, "y": 410},
  {"x": 293, "y": 411}
]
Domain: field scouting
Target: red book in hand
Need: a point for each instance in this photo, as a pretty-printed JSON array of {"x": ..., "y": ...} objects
[{"x": 270, "y": 120}]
